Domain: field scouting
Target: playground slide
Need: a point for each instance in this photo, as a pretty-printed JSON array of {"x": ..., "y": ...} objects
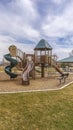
[
  {"x": 56, "y": 67},
  {"x": 62, "y": 74},
  {"x": 9, "y": 68},
  {"x": 29, "y": 67}
]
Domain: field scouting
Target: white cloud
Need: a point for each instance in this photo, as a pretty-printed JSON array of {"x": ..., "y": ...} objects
[
  {"x": 27, "y": 7},
  {"x": 62, "y": 52},
  {"x": 58, "y": 1},
  {"x": 59, "y": 25},
  {"x": 19, "y": 18},
  {"x": 20, "y": 23},
  {"x": 16, "y": 22},
  {"x": 6, "y": 41}
]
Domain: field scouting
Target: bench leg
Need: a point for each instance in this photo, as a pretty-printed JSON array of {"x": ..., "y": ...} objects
[
  {"x": 60, "y": 81},
  {"x": 64, "y": 80}
]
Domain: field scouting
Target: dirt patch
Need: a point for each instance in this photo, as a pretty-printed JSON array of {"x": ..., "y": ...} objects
[{"x": 7, "y": 85}]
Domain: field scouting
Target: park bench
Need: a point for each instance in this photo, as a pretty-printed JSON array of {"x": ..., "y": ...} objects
[{"x": 63, "y": 77}]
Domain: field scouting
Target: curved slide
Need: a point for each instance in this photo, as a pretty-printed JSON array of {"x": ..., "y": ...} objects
[
  {"x": 13, "y": 63},
  {"x": 29, "y": 67}
]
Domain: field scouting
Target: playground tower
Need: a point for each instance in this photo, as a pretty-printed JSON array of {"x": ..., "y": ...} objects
[{"x": 43, "y": 55}]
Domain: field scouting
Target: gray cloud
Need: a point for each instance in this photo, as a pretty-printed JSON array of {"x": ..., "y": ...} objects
[{"x": 32, "y": 20}]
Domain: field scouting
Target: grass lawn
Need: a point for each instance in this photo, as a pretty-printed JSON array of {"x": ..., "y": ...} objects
[{"x": 51, "y": 110}]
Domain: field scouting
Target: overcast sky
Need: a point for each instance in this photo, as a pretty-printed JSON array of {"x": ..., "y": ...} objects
[{"x": 25, "y": 22}]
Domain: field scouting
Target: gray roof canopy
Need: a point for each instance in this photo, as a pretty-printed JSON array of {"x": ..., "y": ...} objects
[
  {"x": 42, "y": 45},
  {"x": 67, "y": 60}
]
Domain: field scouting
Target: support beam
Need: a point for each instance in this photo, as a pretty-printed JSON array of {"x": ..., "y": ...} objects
[{"x": 42, "y": 70}]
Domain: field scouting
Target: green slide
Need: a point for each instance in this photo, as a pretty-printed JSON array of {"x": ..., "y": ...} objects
[{"x": 13, "y": 62}]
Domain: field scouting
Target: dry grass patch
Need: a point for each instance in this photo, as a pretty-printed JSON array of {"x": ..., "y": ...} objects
[{"x": 51, "y": 110}]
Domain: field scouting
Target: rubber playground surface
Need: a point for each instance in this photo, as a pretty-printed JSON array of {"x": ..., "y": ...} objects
[{"x": 15, "y": 85}]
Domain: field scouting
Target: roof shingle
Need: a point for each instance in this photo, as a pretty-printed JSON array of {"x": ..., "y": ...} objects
[{"x": 42, "y": 45}]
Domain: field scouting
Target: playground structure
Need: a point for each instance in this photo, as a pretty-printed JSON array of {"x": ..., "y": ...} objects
[
  {"x": 13, "y": 62},
  {"x": 17, "y": 59},
  {"x": 9, "y": 67},
  {"x": 42, "y": 58}
]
